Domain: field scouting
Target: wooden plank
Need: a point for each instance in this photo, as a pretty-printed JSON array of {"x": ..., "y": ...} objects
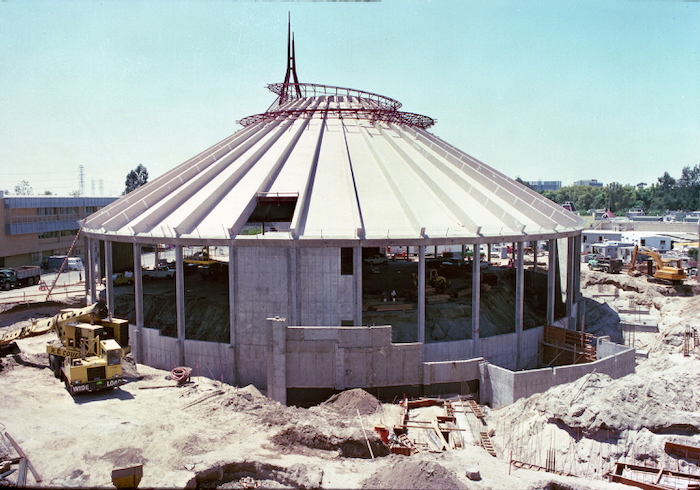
[
  {"x": 438, "y": 431},
  {"x": 393, "y": 307},
  {"x": 682, "y": 451},
  {"x": 437, "y": 298},
  {"x": 22, "y": 475},
  {"x": 430, "y": 427}
]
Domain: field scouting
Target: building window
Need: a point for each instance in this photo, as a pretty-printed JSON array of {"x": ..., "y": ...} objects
[{"x": 346, "y": 261}]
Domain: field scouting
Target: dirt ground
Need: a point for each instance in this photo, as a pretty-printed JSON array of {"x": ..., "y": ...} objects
[{"x": 213, "y": 435}]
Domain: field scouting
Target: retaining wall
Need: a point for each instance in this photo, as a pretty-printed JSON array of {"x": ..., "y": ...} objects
[
  {"x": 505, "y": 386},
  {"x": 338, "y": 358},
  {"x": 500, "y": 349}
]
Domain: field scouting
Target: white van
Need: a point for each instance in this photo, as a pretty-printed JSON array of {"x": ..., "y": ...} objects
[{"x": 74, "y": 264}]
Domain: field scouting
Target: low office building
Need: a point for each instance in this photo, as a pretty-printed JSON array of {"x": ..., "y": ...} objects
[{"x": 36, "y": 227}]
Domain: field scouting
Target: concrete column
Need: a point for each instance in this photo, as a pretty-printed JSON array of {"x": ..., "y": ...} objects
[
  {"x": 293, "y": 285},
  {"x": 232, "y": 301},
  {"x": 576, "y": 280},
  {"x": 96, "y": 267},
  {"x": 551, "y": 279},
  {"x": 108, "y": 277},
  {"x": 421, "y": 294},
  {"x": 519, "y": 300},
  {"x": 180, "y": 303},
  {"x": 86, "y": 245},
  {"x": 90, "y": 290},
  {"x": 357, "y": 278},
  {"x": 476, "y": 303},
  {"x": 534, "y": 255},
  {"x": 570, "y": 254},
  {"x": 138, "y": 303},
  {"x": 277, "y": 359}
]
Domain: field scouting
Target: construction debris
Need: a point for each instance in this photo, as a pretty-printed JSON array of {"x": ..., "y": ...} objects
[{"x": 22, "y": 461}]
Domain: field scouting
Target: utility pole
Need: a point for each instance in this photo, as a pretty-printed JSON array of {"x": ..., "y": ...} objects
[{"x": 81, "y": 180}]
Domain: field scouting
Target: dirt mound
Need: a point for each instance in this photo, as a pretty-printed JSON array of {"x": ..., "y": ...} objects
[
  {"x": 347, "y": 442},
  {"x": 414, "y": 474},
  {"x": 255, "y": 474},
  {"x": 347, "y": 403}
]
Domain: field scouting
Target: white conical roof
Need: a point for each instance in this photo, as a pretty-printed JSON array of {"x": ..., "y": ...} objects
[{"x": 349, "y": 165}]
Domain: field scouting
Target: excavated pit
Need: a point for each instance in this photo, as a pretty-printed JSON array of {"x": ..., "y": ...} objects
[{"x": 256, "y": 474}]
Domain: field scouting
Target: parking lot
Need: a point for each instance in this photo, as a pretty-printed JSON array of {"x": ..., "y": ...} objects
[{"x": 69, "y": 284}]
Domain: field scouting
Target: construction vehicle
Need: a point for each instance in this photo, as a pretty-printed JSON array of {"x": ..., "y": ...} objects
[
  {"x": 604, "y": 263},
  {"x": 437, "y": 282},
  {"x": 27, "y": 275},
  {"x": 91, "y": 348},
  {"x": 666, "y": 269}
]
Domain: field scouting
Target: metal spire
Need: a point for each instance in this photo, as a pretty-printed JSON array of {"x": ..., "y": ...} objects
[{"x": 291, "y": 67}]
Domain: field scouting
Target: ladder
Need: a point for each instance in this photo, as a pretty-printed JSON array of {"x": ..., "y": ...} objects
[
  {"x": 485, "y": 442},
  {"x": 63, "y": 264},
  {"x": 408, "y": 443}
]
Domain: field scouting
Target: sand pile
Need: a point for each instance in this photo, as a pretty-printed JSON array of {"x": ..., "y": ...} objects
[
  {"x": 410, "y": 474},
  {"x": 596, "y": 421}
]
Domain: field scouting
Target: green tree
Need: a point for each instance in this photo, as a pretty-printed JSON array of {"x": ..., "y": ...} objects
[
  {"x": 23, "y": 189},
  {"x": 689, "y": 188},
  {"x": 136, "y": 178},
  {"x": 664, "y": 193}
]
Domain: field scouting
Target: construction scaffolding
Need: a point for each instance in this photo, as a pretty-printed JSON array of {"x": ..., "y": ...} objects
[{"x": 563, "y": 347}]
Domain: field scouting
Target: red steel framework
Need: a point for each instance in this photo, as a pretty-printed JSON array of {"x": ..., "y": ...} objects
[
  {"x": 408, "y": 118},
  {"x": 373, "y": 107}
]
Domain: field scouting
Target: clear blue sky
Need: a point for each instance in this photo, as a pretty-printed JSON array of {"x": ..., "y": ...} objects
[{"x": 554, "y": 90}]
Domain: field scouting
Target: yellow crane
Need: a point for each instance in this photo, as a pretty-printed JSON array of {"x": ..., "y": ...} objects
[{"x": 92, "y": 346}]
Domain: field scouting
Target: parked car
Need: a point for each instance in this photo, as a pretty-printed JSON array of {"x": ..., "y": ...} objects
[
  {"x": 119, "y": 279},
  {"x": 162, "y": 271},
  {"x": 377, "y": 259}
]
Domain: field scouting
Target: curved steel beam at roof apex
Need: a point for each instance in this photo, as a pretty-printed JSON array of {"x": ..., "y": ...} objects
[
  {"x": 314, "y": 90},
  {"x": 407, "y": 118}
]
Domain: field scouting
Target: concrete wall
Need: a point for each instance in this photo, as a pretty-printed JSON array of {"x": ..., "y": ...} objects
[
  {"x": 349, "y": 357},
  {"x": 302, "y": 285},
  {"x": 505, "y": 386},
  {"x": 325, "y": 296},
  {"x": 209, "y": 359},
  {"x": 500, "y": 349},
  {"x": 340, "y": 358},
  {"x": 261, "y": 277}
]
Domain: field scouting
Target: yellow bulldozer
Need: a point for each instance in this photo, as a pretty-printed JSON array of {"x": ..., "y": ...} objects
[
  {"x": 665, "y": 269},
  {"x": 91, "y": 348}
]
